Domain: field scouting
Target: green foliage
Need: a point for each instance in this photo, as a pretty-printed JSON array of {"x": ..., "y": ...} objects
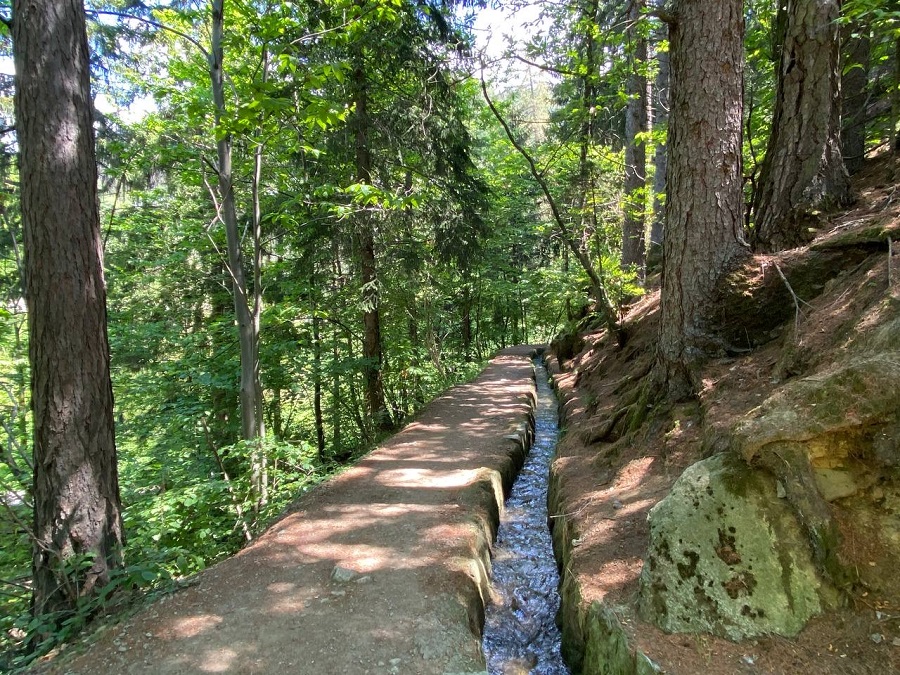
[
  {"x": 468, "y": 258},
  {"x": 885, "y": 16},
  {"x": 27, "y": 637},
  {"x": 879, "y": 22},
  {"x": 759, "y": 85}
]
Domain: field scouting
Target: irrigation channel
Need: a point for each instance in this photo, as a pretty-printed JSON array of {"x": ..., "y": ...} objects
[{"x": 520, "y": 633}]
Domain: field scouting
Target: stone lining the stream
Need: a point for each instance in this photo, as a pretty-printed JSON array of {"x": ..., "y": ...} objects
[
  {"x": 593, "y": 639},
  {"x": 745, "y": 544},
  {"x": 520, "y": 632},
  {"x": 484, "y": 498}
]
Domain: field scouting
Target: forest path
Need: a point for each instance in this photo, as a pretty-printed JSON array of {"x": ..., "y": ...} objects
[{"x": 409, "y": 523}]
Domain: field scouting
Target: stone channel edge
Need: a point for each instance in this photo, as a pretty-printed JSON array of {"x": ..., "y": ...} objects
[{"x": 593, "y": 639}]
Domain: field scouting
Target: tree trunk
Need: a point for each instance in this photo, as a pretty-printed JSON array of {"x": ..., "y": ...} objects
[
  {"x": 336, "y": 428},
  {"x": 355, "y": 406},
  {"x": 317, "y": 384},
  {"x": 467, "y": 320},
  {"x": 76, "y": 489},
  {"x": 895, "y": 100},
  {"x": 260, "y": 459},
  {"x": 660, "y": 127},
  {"x": 803, "y": 171},
  {"x": 633, "y": 243},
  {"x": 221, "y": 398},
  {"x": 703, "y": 199},
  {"x": 585, "y": 198},
  {"x": 373, "y": 354},
  {"x": 247, "y": 319},
  {"x": 855, "y": 61},
  {"x": 277, "y": 414}
]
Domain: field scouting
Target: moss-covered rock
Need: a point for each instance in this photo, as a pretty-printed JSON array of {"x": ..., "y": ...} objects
[
  {"x": 828, "y": 412},
  {"x": 827, "y": 436},
  {"x": 607, "y": 649},
  {"x": 728, "y": 557}
]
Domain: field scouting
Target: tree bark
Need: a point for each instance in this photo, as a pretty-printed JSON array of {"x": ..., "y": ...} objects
[
  {"x": 373, "y": 353},
  {"x": 317, "y": 384},
  {"x": 660, "y": 125},
  {"x": 703, "y": 199},
  {"x": 633, "y": 239},
  {"x": 247, "y": 319},
  {"x": 855, "y": 58},
  {"x": 803, "y": 171},
  {"x": 77, "y": 510}
]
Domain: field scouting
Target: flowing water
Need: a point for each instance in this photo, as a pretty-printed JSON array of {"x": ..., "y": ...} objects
[{"x": 520, "y": 632}]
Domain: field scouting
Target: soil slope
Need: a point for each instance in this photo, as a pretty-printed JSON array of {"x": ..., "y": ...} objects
[
  {"x": 619, "y": 456},
  {"x": 381, "y": 570}
]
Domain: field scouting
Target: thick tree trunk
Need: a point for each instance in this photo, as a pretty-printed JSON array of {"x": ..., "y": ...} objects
[
  {"x": 247, "y": 318},
  {"x": 373, "y": 353},
  {"x": 803, "y": 171},
  {"x": 703, "y": 199},
  {"x": 660, "y": 125},
  {"x": 855, "y": 58},
  {"x": 76, "y": 490},
  {"x": 635, "y": 187}
]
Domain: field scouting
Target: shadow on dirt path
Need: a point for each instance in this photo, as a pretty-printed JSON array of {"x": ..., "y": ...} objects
[{"x": 407, "y": 532}]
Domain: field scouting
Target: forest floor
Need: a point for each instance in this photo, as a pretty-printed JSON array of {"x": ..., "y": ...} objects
[
  {"x": 609, "y": 476},
  {"x": 380, "y": 570}
]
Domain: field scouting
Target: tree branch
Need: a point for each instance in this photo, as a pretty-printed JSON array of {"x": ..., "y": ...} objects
[
  {"x": 545, "y": 67},
  {"x": 597, "y": 288},
  {"x": 150, "y": 22}
]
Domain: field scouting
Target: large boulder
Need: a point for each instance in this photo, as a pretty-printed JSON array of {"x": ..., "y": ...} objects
[
  {"x": 831, "y": 413},
  {"x": 829, "y": 436},
  {"x": 728, "y": 557}
]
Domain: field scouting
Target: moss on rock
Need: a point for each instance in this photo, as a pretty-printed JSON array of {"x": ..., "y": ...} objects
[{"x": 728, "y": 557}]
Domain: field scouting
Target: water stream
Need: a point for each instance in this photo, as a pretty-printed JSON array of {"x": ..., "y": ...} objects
[{"x": 520, "y": 632}]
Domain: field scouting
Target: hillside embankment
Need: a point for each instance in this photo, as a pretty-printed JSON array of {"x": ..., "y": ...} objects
[{"x": 755, "y": 529}]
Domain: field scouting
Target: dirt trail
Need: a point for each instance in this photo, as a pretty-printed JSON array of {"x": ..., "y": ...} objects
[{"x": 411, "y": 521}]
